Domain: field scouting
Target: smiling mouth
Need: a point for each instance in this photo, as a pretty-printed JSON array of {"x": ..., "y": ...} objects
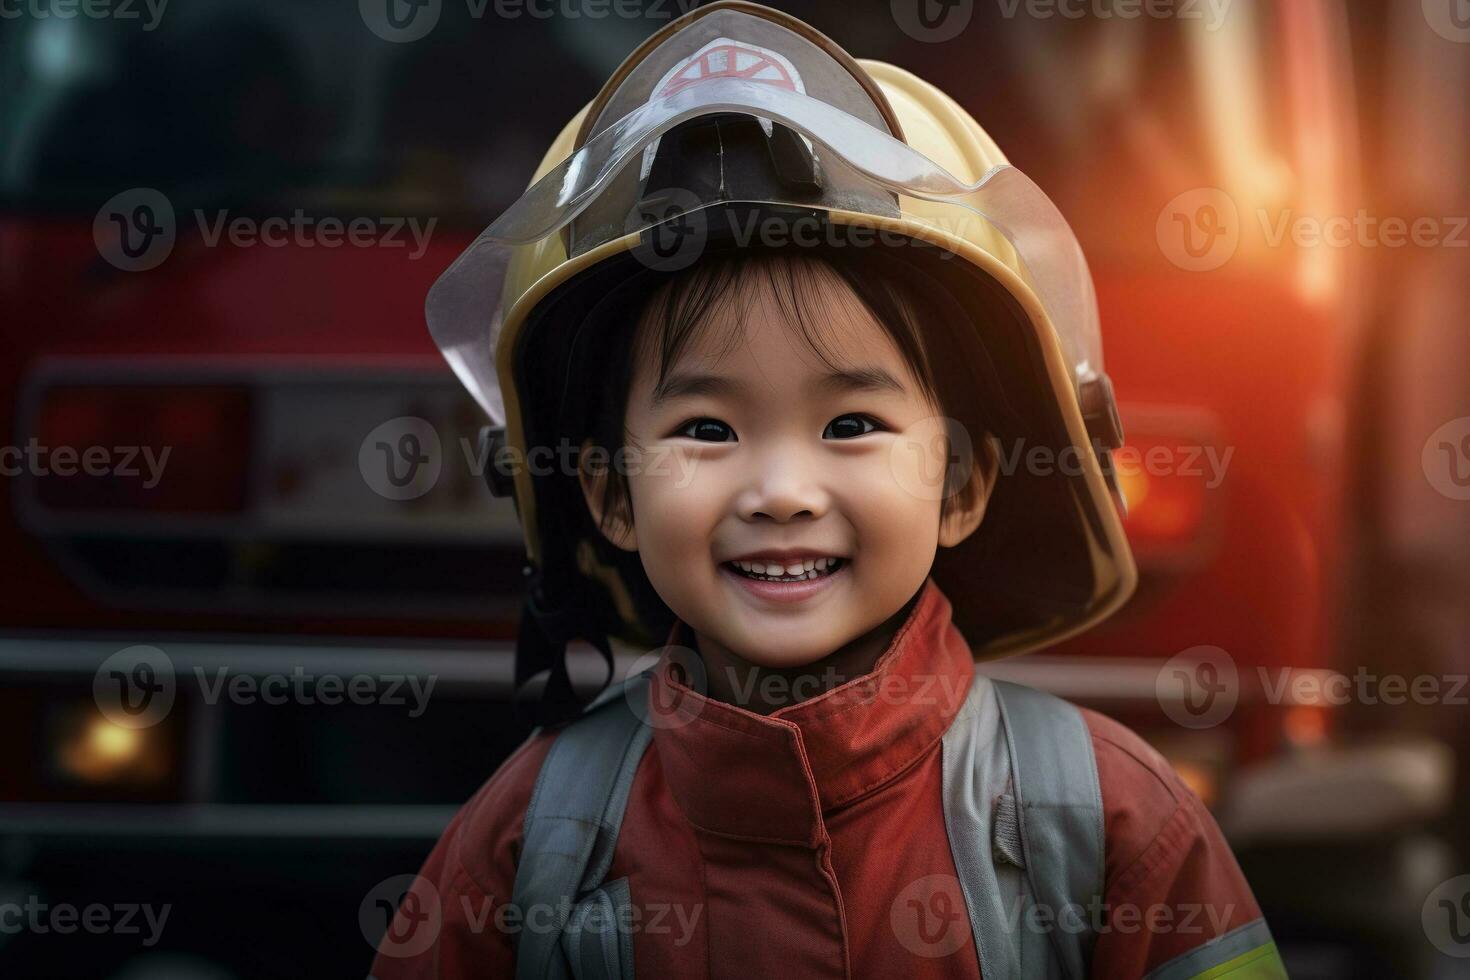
[{"x": 787, "y": 571}]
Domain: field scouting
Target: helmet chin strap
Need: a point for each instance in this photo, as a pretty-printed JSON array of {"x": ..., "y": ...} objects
[{"x": 541, "y": 648}]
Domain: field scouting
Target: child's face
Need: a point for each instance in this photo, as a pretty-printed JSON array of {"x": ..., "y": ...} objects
[{"x": 780, "y": 459}]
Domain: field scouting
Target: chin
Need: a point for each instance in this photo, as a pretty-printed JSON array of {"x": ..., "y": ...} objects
[{"x": 786, "y": 653}]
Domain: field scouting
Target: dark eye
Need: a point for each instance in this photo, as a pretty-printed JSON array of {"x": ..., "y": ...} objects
[
  {"x": 707, "y": 430},
  {"x": 849, "y": 426}
]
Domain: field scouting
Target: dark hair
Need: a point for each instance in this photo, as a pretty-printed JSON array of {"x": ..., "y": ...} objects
[{"x": 662, "y": 314}]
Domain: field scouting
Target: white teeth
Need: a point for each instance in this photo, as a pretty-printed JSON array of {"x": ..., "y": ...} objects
[{"x": 797, "y": 571}]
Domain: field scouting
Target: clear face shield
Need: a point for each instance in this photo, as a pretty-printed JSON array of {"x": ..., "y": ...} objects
[{"x": 729, "y": 138}]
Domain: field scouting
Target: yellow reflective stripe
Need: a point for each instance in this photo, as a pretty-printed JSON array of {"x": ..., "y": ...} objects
[
  {"x": 1261, "y": 963},
  {"x": 1246, "y": 953}
]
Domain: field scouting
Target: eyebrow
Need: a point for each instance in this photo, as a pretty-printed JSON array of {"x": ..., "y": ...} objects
[
  {"x": 871, "y": 378},
  {"x": 686, "y": 385}
]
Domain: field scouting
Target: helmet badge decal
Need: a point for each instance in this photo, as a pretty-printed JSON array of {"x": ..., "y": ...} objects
[{"x": 725, "y": 58}]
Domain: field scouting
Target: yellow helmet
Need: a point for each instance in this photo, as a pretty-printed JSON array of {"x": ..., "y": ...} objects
[{"x": 737, "y": 110}]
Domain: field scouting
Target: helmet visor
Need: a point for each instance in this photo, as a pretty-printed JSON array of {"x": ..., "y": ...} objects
[{"x": 805, "y": 153}]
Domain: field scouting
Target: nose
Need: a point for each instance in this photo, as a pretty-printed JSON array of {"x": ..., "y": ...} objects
[{"x": 783, "y": 488}]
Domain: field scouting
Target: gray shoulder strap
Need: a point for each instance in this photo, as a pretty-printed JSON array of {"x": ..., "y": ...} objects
[
  {"x": 1023, "y": 812},
  {"x": 976, "y": 771},
  {"x": 572, "y": 826},
  {"x": 1054, "y": 774}
]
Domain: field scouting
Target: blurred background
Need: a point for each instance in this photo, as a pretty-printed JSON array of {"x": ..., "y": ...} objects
[{"x": 220, "y": 615}]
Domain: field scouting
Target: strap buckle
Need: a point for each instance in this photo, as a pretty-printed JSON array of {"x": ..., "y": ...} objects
[
  {"x": 1105, "y": 427},
  {"x": 492, "y": 445}
]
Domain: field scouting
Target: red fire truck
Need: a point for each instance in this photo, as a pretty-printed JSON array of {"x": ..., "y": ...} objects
[{"x": 171, "y": 200}]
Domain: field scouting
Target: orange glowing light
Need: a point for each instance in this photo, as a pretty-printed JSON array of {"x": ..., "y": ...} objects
[{"x": 1305, "y": 724}]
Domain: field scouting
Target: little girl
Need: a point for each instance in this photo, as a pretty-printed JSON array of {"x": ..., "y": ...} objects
[{"x": 794, "y": 312}]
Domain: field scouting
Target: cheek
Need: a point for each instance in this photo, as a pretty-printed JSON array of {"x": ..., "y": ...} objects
[
  {"x": 677, "y": 502},
  {"x": 894, "y": 524},
  {"x": 675, "y": 515},
  {"x": 888, "y": 517},
  {"x": 928, "y": 457}
]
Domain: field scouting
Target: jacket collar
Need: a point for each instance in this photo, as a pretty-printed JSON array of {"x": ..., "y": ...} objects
[{"x": 741, "y": 774}]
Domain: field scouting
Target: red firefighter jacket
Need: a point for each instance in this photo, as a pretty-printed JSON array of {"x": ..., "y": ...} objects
[{"x": 792, "y": 845}]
